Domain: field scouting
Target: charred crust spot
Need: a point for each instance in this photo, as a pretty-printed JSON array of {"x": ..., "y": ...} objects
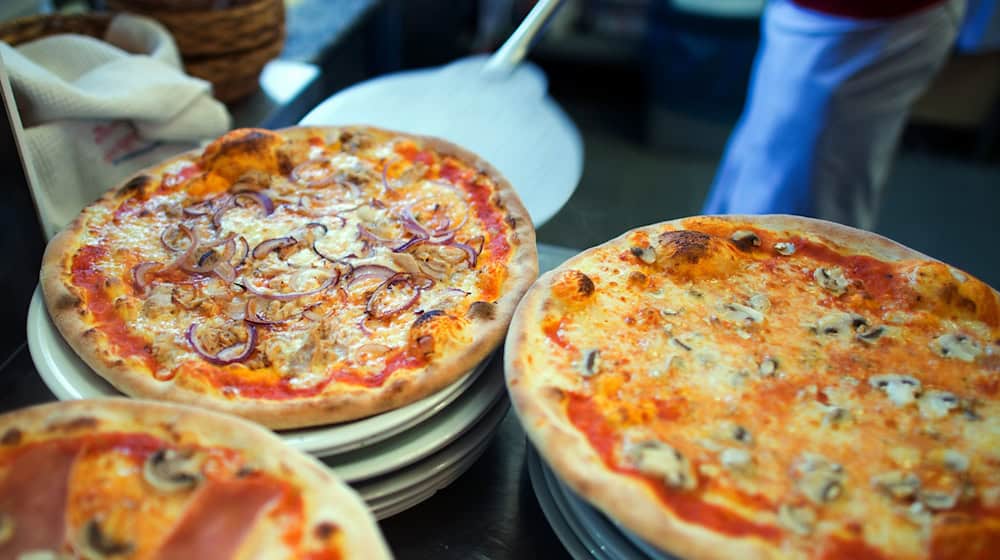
[
  {"x": 511, "y": 221},
  {"x": 135, "y": 184},
  {"x": 637, "y": 278},
  {"x": 81, "y": 423},
  {"x": 426, "y": 317},
  {"x": 685, "y": 244},
  {"x": 481, "y": 310},
  {"x": 11, "y": 437},
  {"x": 572, "y": 285},
  {"x": 245, "y": 472},
  {"x": 325, "y": 530}
]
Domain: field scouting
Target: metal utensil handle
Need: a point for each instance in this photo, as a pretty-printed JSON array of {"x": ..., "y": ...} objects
[{"x": 514, "y": 49}]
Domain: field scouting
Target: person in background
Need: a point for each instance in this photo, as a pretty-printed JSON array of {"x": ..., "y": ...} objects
[{"x": 832, "y": 84}]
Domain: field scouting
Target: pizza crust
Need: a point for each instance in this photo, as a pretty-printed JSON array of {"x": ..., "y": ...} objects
[
  {"x": 68, "y": 314},
  {"x": 326, "y": 497},
  {"x": 538, "y": 401}
]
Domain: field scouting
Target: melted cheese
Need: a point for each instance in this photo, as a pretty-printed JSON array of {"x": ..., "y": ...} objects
[
  {"x": 317, "y": 335},
  {"x": 814, "y": 372}
]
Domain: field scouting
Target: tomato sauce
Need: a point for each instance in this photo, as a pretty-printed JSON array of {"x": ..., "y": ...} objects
[
  {"x": 87, "y": 276},
  {"x": 853, "y": 549},
  {"x": 688, "y": 505},
  {"x": 879, "y": 278},
  {"x": 554, "y": 330}
]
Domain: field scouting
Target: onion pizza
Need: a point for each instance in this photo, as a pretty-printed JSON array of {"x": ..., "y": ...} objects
[{"x": 294, "y": 277}]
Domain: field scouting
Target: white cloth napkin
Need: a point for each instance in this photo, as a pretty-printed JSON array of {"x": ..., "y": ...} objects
[{"x": 95, "y": 112}]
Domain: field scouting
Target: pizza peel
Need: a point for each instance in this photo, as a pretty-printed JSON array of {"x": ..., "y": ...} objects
[{"x": 495, "y": 106}]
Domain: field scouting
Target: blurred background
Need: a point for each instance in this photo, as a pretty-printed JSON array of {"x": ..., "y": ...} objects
[{"x": 655, "y": 87}]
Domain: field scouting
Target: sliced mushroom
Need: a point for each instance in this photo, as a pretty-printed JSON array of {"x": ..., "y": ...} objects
[
  {"x": 952, "y": 459},
  {"x": 938, "y": 500},
  {"x": 644, "y": 254},
  {"x": 739, "y": 313},
  {"x": 937, "y": 404},
  {"x": 680, "y": 344},
  {"x": 897, "y": 484},
  {"x": 97, "y": 544},
  {"x": 957, "y": 346},
  {"x": 798, "y": 519},
  {"x": 741, "y": 434},
  {"x": 768, "y": 366},
  {"x": 839, "y": 323},
  {"x": 655, "y": 458},
  {"x": 745, "y": 239},
  {"x": 872, "y": 335},
  {"x": 785, "y": 248},
  {"x": 6, "y": 527},
  {"x": 901, "y": 389},
  {"x": 820, "y": 479},
  {"x": 168, "y": 470},
  {"x": 831, "y": 279},
  {"x": 591, "y": 363},
  {"x": 760, "y": 302},
  {"x": 734, "y": 458}
]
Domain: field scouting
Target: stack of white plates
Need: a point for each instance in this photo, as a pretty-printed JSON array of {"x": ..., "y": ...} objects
[
  {"x": 395, "y": 460},
  {"x": 585, "y": 532}
]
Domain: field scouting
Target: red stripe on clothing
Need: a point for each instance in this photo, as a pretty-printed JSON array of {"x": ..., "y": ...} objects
[{"x": 867, "y": 9}]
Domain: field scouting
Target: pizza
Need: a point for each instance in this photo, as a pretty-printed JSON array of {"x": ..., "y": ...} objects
[
  {"x": 124, "y": 478},
  {"x": 768, "y": 387},
  {"x": 294, "y": 277}
]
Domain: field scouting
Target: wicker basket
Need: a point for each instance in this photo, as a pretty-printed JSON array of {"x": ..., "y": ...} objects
[
  {"x": 207, "y": 30},
  {"x": 22, "y": 30},
  {"x": 226, "y": 42}
]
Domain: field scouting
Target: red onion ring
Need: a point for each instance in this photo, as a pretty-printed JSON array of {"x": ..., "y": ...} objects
[
  {"x": 334, "y": 260},
  {"x": 376, "y": 310},
  {"x": 266, "y": 246},
  {"x": 140, "y": 275},
  {"x": 257, "y": 198},
  {"x": 185, "y": 257},
  {"x": 370, "y": 271},
  {"x": 225, "y": 203},
  {"x": 331, "y": 280},
  {"x": 312, "y": 167},
  {"x": 224, "y": 357},
  {"x": 173, "y": 248},
  {"x": 199, "y": 208},
  {"x": 365, "y": 233},
  {"x": 385, "y": 177},
  {"x": 471, "y": 255},
  {"x": 364, "y": 328}
]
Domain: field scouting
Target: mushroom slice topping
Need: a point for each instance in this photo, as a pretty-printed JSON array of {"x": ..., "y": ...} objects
[
  {"x": 937, "y": 404},
  {"x": 734, "y": 458},
  {"x": 897, "y": 484},
  {"x": 644, "y": 254},
  {"x": 590, "y": 365},
  {"x": 739, "y": 313},
  {"x": 760, "y": 302},
  {"x": 831, "y": 279},
  {"x": 768, "y": 366},
  {"x": 901, "y": 389},
  {"x": 97, "y": 544},
  {"x": 745, "y": 239},
  {"x": 655, "y": 458},
  {"x": 169, "y": 470},
  {"x": 957, "y": 346},
  {"x": 798, "y": 519},
  {"x": 785, "y": 248},
  {"x": 821, "y": 480},
  {"x": 938, "y": 500},
  {"x": 6, "y": 527},
  {"x": 839, "y": 323},
  {"x": 871, "y": 335}
]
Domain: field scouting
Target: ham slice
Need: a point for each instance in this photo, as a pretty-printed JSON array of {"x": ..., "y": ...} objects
[
  {"x": 33, "y": 494},
  {"x": 218, "y": 519}
]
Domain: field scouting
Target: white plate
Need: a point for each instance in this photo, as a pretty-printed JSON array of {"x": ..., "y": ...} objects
[
  {"x": 69, "y": 378},
  {"x": 511, "y": 122},
  {"x": 607, "y": 535},
  {"x": 440, "y": 479},
  {"x": 426, "y": 438},
  {"x": 424, "y": 472},
  {"x": 546, "y": 501}
]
